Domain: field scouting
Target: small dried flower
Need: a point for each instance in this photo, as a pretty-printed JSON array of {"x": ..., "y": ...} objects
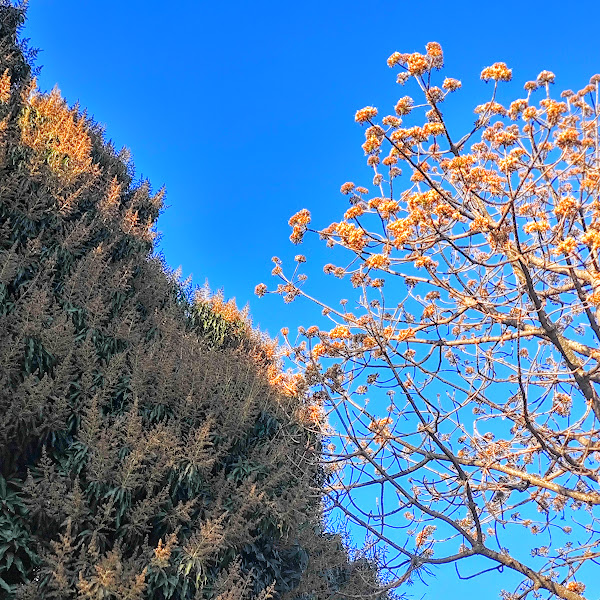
[
  {"x": 260, "y": 290},
  {"x": 451, "y": 84},
  {"x": 347, "y": 188}
]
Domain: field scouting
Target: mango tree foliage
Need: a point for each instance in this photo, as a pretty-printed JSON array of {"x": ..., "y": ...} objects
[{"x": 150, "y": 445}]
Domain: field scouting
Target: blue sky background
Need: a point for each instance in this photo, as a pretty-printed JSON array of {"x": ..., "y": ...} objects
[{"x": 245, "y": 112}]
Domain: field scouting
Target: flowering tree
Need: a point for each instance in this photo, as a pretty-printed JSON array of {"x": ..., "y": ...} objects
[{"x": 476, "y": 269}]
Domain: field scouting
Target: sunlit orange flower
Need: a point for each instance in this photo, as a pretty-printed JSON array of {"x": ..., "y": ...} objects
[
  {"x": 425, "y": 261},
  {"x": 576, "y": 586},
  {"x": 394, "y": 59},
  {"x": 365, "y": 114},
  {"x": 377, "y": 261},
  {"x": 388, "y": 208},
  {"x": 592, "y": 238},
  {"x": 369, "y": 343},
  {"x": 297, "y": 234},
  {"x": 340, "y": 332},
  {"x": 354, "y": 211},
  {"x": 319, "y": 350},
  {"x": 494, "y": 108},
  {"x": 404, "y": 106},
  {"x": 517, "y": 107},
  {"x": 554, "y": 110},
  {"x": 541, "y": 225},
  {"x": 451, "y": 84},
  {"x": 417, "y": 64},
  {"x": 435, "y": 54},
  {"x": 566, "y": 246},
  {"x": 567, "y": 137},
  {"x": 351, "y": 236},
  {"x": 424, "y": 534},
  {"x": 404, "y": 334},
  {"x": 347, "y": 187},
  {"x": 372, "y": 143},
  {"x": 545, "y": 77},
  {"x": 434, "y": 129},
  {"x": 391, "y": 121},
  {"x": 566, "y": 206},
  {"x": 594, "y": 298},
  {"x": 498, "y": 72},
  {"x": 302, "y": 218}
]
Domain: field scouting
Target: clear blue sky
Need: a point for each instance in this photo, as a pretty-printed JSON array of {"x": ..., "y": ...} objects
[{"x": 245, "y": 111}]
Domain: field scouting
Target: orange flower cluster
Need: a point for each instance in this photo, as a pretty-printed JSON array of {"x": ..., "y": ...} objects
[
  {"x": 340, "y": 332},
  {"x": 554, "y": 110},
  {"x": 434, "y": 129},
  {"x": 301, "y": 218},
  {"x": 260, "y": 290},
  {"x": 561, "y": 404},
  {"x": 365, "y": 114},
  {"x": 354, "y": 211},
  {"x": 494, "y": 108},
  {"x": 372, "y": 144},
  {"x": 417, "y": 64},
  {"x": 387, "y": 208},
  {"x": 404, "y": 334},
  {"x": 400, "y": 231},
  {"x": 394, "y": 59},
  {"x": 576, "y": 586},
  {"x": 568, "y": 137},
  {"x": 5, "y": 87},
  {"x": 299, "y": 223},
  {"x": 287, "y": 383},
  {"x": 351, "y": 236},
  {"x": 567, "y": 246},
  {"x": 347, "y": 188},
  {"x": 591, "y": 181},
  {"x": 319, "y": 350},
  {"x": 497, "y": 72},
  {"x": 594, "y": 298},
  {"x": 425, "y": 261},
  {"x": 424, "y": 535},
  {"x": 451, "y": 84},
  {"x": 545, "y": 77},
  {"x": 516, "y": 108},
  {"x": 369, "y": 342},
  {"x": 404, "y": 106},
  {"x": 380, "y": 429},
  {"x": 391, "y": 121},
  {"x": 435, "y": 54},
  {"x": 377, "y": 261},
  {"x": 534, "y": 226},
  {"x": 566, "y": 207},
  {"x": 52, "y": 129}
]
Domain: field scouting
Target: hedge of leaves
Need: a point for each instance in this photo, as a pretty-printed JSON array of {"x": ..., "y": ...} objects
[{"x": 143, "y": 451}]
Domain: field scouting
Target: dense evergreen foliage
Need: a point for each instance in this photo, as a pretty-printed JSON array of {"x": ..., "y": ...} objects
[{"x": 149, "y": 447}]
